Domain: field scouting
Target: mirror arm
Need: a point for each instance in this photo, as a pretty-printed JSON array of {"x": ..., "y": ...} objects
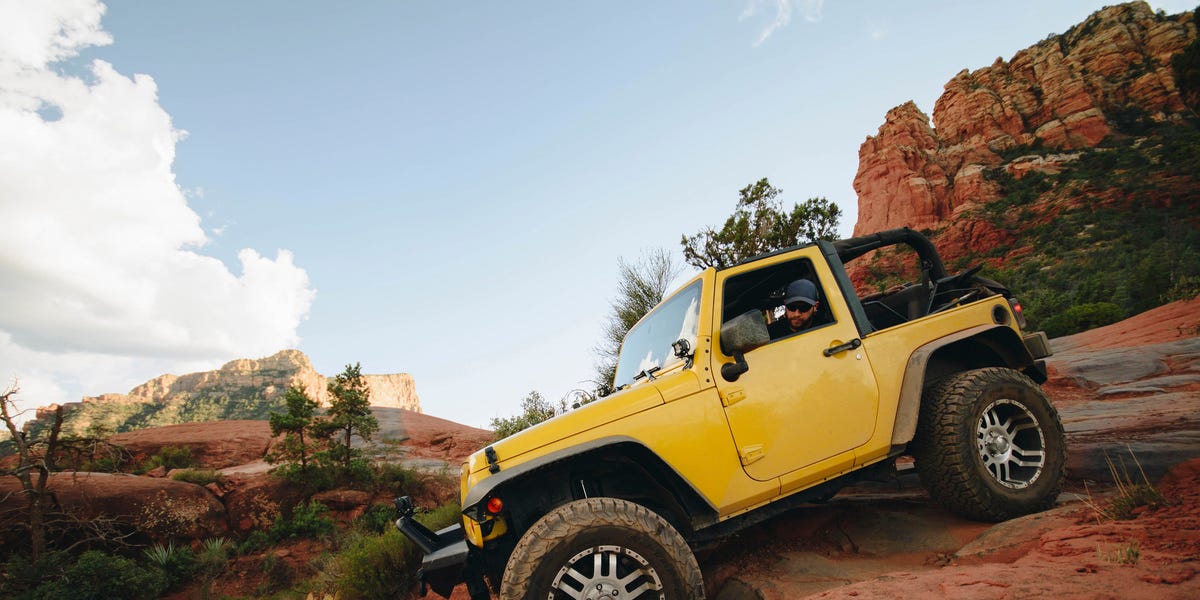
[{"x": 731, "y": 371}]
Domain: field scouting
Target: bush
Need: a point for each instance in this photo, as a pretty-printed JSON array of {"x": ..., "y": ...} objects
[
  {"x": 100, "y": 576},
  {"x": 214, "y": 554},
  {"x": 177, "y": 564},
  {"x": 170, "y": 457},
  {"x": 378, "y": 518},
  {"x": 278, "y": 574},
  {"x": 308, "y": 520},
  {"x": 313, "y": 478},
  {"x": 256, "y": 541},
  {"x": 384, "y": 566},
  {"x": 1083, "y": 317},
  {"x": 397, "y": 479},
  {"x": 199, "y": 476},
  {"x": 20, "y": 578}
]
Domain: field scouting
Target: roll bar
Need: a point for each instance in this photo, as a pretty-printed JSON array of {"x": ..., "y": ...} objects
[{"x": 852, "y": 248}]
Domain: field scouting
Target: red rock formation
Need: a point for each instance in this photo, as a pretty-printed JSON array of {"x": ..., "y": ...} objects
[
  {"x": 1060, "y": 93},
  {"x": 214, "y": 444},
  {"x": 272, "y": 375},
  {"x": 162, "y": 508}
]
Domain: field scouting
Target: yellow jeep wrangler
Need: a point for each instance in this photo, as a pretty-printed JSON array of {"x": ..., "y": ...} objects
[{"x": 716, "y": 424}]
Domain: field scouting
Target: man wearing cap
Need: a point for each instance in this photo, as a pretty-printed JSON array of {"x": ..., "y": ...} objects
[{"x": 800, "y": 304}]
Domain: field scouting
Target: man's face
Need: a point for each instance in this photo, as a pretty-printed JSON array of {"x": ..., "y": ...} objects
[{"x": 799, "y": 314}]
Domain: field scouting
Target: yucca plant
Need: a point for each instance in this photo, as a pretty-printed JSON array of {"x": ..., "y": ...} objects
[{"x": 161, "y": 555}]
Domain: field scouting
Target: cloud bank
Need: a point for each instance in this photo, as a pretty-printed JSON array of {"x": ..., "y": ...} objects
[{"x": 102, "y": 279}]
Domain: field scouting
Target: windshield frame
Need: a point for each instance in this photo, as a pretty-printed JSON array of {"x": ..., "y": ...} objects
[{"x": 677, "y": 317}]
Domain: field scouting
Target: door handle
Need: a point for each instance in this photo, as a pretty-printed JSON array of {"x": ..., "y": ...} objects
[{"x": 840, "y": 348}]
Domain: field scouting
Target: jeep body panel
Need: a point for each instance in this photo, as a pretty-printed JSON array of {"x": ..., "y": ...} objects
[
  {"x": 787, "y": 411},
  {"x": 714, "y": 434}
]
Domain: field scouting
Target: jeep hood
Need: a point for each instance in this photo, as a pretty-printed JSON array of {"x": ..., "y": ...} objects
[{"x": 577, "y": 425}]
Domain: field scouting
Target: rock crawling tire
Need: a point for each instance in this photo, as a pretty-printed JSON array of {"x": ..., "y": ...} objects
[
  {"x": 989, "y": 445},
  {"x": 602, "y": 547}
]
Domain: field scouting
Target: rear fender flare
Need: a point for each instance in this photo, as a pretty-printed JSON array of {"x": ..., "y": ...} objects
[{"x": 1000, "y": 339}]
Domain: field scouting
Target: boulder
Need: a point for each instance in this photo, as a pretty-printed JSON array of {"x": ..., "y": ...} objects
[{"x": 160, "y": 508}]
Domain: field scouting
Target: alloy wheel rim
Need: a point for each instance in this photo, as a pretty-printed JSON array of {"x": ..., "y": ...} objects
[
  {"x": 607, "y": 572},
  {"x": 1011, "y": 444}
]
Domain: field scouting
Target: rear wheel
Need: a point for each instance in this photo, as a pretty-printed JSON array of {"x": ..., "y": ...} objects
[
  {"x": 602, "y": 548},
  {"x": 990, "y": 445}
]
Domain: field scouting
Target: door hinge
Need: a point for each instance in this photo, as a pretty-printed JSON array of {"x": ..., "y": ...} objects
[
  {"x": 750, "y": 454},
  {"x": 732, "y": 396}
]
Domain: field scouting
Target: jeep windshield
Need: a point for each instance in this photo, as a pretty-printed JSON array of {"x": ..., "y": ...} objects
[{"x": 647, "y": 346}]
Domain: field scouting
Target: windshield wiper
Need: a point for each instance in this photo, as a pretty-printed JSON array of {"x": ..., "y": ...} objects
[{"x": 648, "y": 373}]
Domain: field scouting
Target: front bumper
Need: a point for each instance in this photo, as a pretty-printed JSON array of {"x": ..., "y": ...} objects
[{"x": 445, "y": 564}]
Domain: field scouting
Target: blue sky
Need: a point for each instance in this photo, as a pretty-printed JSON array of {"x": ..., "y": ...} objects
[{"x": 435, "y": 188}]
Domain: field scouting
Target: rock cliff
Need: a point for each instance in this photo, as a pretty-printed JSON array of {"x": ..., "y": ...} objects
[
  {"x": 1065, "y": 92},
  {"x": 242, "y": 388},
  {"x": 270, "y": 376}
]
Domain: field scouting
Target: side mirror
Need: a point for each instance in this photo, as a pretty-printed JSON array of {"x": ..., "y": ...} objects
[
  {"x": 740, "y": 335},
  {"x": 744, "y": 333}
]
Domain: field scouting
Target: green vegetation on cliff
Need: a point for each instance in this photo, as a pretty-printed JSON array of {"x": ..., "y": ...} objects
[{"x": 1116, "y": 233}]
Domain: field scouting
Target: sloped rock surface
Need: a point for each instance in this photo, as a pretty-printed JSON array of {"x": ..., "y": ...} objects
[
  {"x": 214, "y": 444},
  {"x": 162, "y": 508},
  {"x": 1129, "y": 393}
]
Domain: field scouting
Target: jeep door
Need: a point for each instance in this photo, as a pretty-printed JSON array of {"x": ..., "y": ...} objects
[{"x": 808, "y": 399}]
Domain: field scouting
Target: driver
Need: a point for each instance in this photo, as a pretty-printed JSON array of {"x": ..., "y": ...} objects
[{"x": 800, "y": 303}]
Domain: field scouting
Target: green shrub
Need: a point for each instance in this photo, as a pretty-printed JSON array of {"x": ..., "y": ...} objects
[
  {"x": 21, "y": 578},
  {"x": 1185, "y": 288},
  {"x": 384, "y": 566},
  {"x": 278, "y": 575},
  {"x": 257, "y": 540},
  {"x": 396, "y": 479},
  {"x": 213, "y": 555},
  {"x": 199, "y": 476},
  {"x": 1083, "y": 317},
  {"x": 378, "y": 518},
  {"x": 313, "y": 478},
  {"x": 105, "y": 464},
  {"x": 308, "y": 520},
  {"x": 100, "y": 576},
  {"x": 170, "y": 457},
  {"x": 177, "y": 564}
]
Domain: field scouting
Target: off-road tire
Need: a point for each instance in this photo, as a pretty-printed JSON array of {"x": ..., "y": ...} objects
[
  {"x": 581, "y": 542},
  {"x": 989, "y": 445}
]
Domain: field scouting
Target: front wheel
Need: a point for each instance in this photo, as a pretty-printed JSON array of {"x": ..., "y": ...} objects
[
  {"x": 602, "y": 548},
  {"x": 989, "y": 445}
]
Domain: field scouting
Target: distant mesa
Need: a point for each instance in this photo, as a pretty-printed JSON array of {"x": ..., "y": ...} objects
[{"x": 241, "y": 389}]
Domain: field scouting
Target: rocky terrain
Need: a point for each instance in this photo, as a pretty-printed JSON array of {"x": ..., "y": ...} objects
[
  {"x": 1129, "y": 392},
  {"x": 248, "y": 498}
]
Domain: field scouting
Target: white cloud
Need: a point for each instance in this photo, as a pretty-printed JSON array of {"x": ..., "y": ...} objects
[
  {"x": 783, "y": 14},
  {"x": 99, "y": 254}
]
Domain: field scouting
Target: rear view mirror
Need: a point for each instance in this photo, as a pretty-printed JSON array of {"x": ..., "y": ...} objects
[{"x": 744, "y": 333}]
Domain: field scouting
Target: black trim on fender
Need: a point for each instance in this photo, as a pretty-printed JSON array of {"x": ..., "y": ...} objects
[
  {"x": 480, "y": 491},
  {"x": 1037, "y": 371}
]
